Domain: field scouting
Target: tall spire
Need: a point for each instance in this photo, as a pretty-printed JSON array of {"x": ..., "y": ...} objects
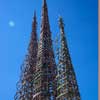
[
  {"x": 45, "y": 27},
  {"x": 33, "y": 46},
  {"x": 67, "y": 88},
  {"x": 25, "y": 84},
  {"x": 34, "y": 28},
  {"x": 44, "y": 78}
]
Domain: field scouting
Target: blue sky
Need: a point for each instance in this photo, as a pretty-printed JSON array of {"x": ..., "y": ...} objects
[{"x": 80, "y": 18}]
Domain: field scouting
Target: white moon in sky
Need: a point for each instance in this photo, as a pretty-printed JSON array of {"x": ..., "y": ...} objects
[{"x": 11, "y": 23}]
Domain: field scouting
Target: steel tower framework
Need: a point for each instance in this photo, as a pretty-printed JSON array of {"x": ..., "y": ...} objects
[
  {"x": 67, "y": 88},
  {"x": 41, "y": 78},
  {"x": 45, "y": 75},
  {"x": 25, "y": 85}
]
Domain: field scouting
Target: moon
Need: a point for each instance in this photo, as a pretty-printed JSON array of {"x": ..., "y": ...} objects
[{"x": 11, "y": 23}]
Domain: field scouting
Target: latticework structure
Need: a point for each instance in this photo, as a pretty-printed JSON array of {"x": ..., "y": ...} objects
[
  {"x": 25, "y": 85},
  {"x": 67, "y": 88},
  {"x": 41, "y": 78},
  {"x": 45, "y": 75}
]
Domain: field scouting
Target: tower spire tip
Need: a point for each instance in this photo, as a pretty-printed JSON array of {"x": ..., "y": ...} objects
[
  {"x": 34, "y": 14},
  {"x": 44, "y": 2}
]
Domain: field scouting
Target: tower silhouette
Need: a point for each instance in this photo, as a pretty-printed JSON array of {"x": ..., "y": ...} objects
[
  {"x": 67, "y": 88},
  {"x": 41, "y": 78},
  {"x": 25, "y": 84},
  {"x": 45, "y": 75}
]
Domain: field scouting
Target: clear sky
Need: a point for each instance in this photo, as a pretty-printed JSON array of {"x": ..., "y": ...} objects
[{"x": 80, "y": 18}]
